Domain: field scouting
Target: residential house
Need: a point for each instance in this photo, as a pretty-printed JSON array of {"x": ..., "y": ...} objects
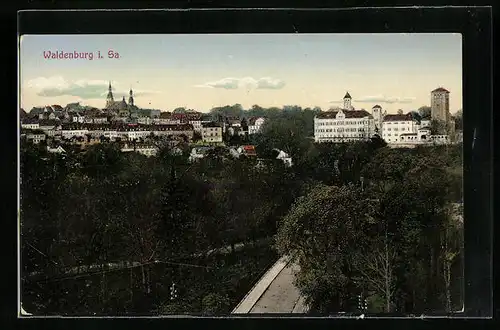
[
  {"x": 78, "y": 118},
  {"x": 247, "y": 150},
  {"x": 165, "y": 118},
  {"x": 394, "y": 125},
  {"x": 30, "y": 123},
  {"x": 58, "y": 150},
  {"x": 70, "y": 130},
  {"x": 100, "y": 119},
  {"x": 145, "y": 120},
  {"x": 198, "y": 153},
  {"x": 36, "y": 137},
  {"x": 145, "y": 149},
  {"x": 284, "y": 157},
  {"x": 211, "y": 133},
  {"x": 255, "y": 125},
  {"x": 50, "y": 127},
  {"x": 186, "y": 130}
]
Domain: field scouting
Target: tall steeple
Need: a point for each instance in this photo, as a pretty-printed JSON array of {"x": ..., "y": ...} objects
[
  {"x": 131, "y": 98},
  {"x": 347, "y": 101},
  {"x": 109, "y": 98}
]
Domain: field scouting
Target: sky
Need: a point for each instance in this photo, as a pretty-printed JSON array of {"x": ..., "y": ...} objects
[{"x": 396, "y": 71}]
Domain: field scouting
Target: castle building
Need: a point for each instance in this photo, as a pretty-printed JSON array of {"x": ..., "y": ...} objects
[{"x": 343, "y": 125}]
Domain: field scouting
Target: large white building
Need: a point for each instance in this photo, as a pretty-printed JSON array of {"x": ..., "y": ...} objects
[
  {"x": 348, "y": 124},
  {"x": 343, "y": 125}
]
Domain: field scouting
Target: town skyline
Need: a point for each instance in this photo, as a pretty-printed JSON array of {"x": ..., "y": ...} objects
[{"x": 397, "y": 71}]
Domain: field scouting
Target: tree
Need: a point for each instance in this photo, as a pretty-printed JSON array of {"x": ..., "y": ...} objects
[
  {"x": 438, "y": 127},
  {"x": 179, "y": 110},
  {"x": 103, "y": 160},
  {"x": 425, "y": 112},
  {"x": 452, "y": 248},
  {"x": 327, "y": 243},
  {"x": 214, "y": 303},
  {"x": 196, "y": 136},
  {"x": 415, "y": 211},
  {"x": 458, "y": 117},
  {"x": 377, "y": 268}
]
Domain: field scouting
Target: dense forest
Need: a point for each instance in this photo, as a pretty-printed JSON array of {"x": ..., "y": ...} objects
[{"x": 105, "y": 232}]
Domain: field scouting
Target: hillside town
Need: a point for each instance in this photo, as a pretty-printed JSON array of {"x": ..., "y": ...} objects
[
  {"x": 134, "y": 128},
  {"x": 137, "y": 129},
  {"x": 153, "y": 182}
]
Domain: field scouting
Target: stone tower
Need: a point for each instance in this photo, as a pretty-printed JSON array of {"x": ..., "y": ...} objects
[{"x": 440, "y": 104}]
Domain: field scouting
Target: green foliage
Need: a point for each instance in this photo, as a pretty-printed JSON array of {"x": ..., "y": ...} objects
[
  {"x": 215, "y": 304},
  {"x": 458, "y": 117},
  {"x": 438, "y": 127},
  {"x": 333, "y": 209},
  {"x": 341, "y": 245},
  {"x": 425, "y": 112}
]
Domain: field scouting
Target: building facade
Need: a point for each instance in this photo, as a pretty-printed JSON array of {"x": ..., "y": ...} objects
[
  {"x": 255, "y": 125},
  {"x": 343, "y": 125},
  {"x": 211, "y": 132}
]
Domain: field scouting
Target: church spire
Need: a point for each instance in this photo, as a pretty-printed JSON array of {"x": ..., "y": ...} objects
[
  {"x": 131, "y": 98},
  {"x": 109, "y": 98}
]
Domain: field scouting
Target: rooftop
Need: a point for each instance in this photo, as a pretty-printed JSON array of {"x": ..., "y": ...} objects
[
  {"x": 398, "y": 117},
  {"x": 210, "y": 124},
  {"x": 348, "y": 114},
  {"x": 441, "y": 89}
]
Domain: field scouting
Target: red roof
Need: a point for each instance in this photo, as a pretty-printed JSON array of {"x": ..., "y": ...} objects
[
  {"x": 250, "y": 150},
  {"x": 441, "y": 89}
]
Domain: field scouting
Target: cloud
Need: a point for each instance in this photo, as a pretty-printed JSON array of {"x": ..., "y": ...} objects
[
  {"x": 245, "y": 83},
  {"x": 83, "y": 89},
  {"x": 385, "y": 99},
  {"x": 336, "y": 101}
]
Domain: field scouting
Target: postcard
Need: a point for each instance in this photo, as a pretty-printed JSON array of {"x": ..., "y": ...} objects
[{"x": 231, "y": 174}]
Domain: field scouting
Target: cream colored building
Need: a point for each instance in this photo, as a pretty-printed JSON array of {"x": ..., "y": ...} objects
[{"x": 211, "y": 132}]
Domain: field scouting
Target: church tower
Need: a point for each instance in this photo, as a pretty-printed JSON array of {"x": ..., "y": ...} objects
[
  {"x": 131, "y": 98},
  {"x": 109, "y": 99},
  {"x": 347, "y": 101}
]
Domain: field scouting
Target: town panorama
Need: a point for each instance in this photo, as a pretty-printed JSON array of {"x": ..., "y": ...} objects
[{"x": 137, "y": 204}]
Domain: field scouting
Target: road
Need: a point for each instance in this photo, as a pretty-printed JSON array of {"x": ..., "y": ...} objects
[{"x": 274, "y": 292}]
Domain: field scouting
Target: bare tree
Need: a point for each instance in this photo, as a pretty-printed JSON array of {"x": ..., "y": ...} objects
[
  {"x": 451, "y": 247},
  {"x": 376, "y": 269}
]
